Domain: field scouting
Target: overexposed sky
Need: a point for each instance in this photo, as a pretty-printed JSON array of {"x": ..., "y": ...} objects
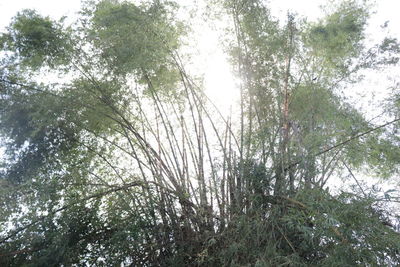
[
  {"x": 52, "y": 8},
  {"x": 218, "y": 77},
  {"x": 386, "y": 10}
]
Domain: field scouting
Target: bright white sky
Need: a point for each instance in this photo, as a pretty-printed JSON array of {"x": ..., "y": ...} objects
[
  {"x": 218, "y": 79},
  {"x": 386, "y": 9}
]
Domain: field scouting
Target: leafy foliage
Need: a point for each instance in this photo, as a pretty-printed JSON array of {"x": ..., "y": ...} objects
[
  {"x": 37, "y": 40},
  {"x": 123, "y": 160}
]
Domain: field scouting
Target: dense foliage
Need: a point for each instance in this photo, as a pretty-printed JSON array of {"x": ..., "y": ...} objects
[{"x": 114, "y": 155}]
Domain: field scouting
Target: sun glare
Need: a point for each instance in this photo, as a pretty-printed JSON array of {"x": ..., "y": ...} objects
[{"x": 220, "y": 85}]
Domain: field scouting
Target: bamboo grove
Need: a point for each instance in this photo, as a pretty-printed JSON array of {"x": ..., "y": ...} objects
[{"x": 114, "y": 155}]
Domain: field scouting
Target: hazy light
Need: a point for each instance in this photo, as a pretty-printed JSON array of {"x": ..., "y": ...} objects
[
  {"x": 53, "y": 8},
  {"x": 219, "y": 81}
]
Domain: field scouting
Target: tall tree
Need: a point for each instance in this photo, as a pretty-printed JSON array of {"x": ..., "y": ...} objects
[{"x": 122, "y": 159}]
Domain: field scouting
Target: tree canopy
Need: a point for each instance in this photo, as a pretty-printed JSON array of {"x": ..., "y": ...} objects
[{"x": 114, "y": 154}]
